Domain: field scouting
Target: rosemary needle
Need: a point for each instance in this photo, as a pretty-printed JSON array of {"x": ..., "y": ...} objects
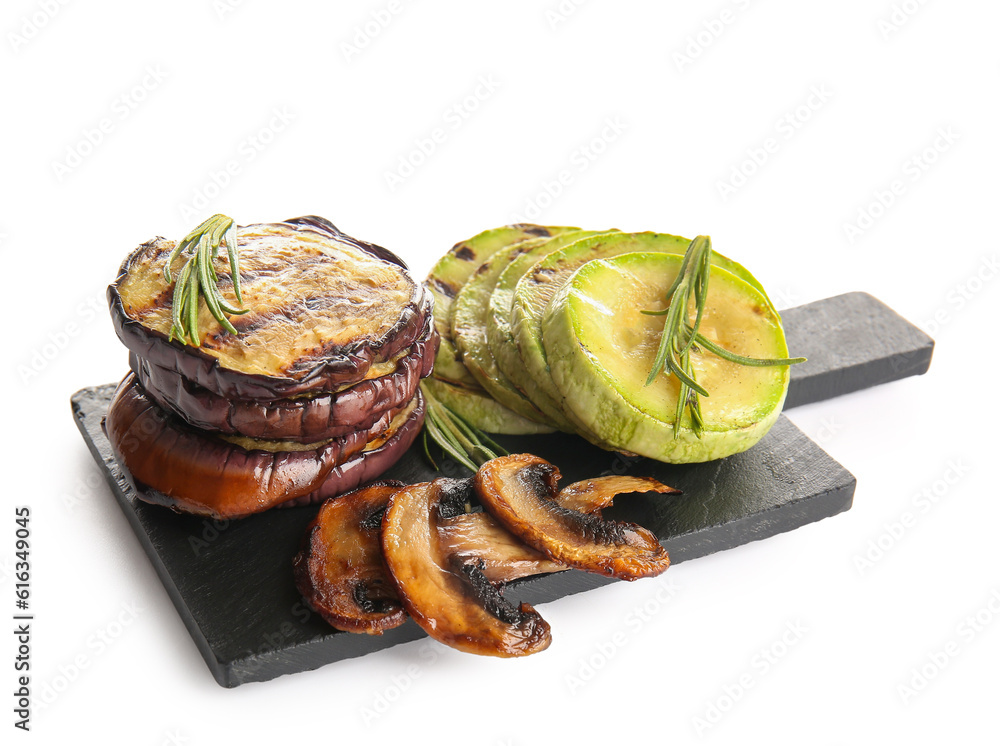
[
  {"x": 198, "y": 279},
  {"x": 680, "y": 336},
  {"x": 468, "y": 445}
]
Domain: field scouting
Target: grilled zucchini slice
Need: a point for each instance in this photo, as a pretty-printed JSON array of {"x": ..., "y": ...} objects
[
  {"x": 451, "y": 273},
  {"x": 600, "y": 347},
  {"x": 480, "y": 409},
  {"x": 500, "y": 336},
  {"x": 544, "y": 279},
  {"x": 470, "y": 312}
]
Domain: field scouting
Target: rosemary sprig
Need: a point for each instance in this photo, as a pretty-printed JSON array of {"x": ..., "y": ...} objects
[
  {"x": 198, "y": 279},
  {"x": 680, "y": 336},
  {"x": 468, "y": 445}
]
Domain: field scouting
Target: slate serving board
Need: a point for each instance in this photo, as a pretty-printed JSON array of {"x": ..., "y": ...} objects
[{"x": 231, "y": 581}]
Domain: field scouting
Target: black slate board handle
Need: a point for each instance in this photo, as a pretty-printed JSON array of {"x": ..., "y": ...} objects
[
  {"x": 852, "y": 341},
  {"x": 232, "y": 582}
]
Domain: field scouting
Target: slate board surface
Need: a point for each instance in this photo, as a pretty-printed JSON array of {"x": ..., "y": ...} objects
[{"x": 231, "y": 581}]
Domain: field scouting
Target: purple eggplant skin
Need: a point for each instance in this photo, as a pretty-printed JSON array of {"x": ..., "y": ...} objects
[
  {"x": 191, "y": 471},
  {"x": 303, "y": 419},
  {"x": 368, "y": 465},
  {"x": 328, "y": 368}
]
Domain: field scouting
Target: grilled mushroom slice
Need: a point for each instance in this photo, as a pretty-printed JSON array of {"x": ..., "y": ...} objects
[
  {"x": 590, "y": 495},
  {"x": 325, "y": 311},
  {"x": 505, "y": 557},
  {"x": 451, "y": 600},
  {"x": 170, "y": 463},
  {"x": 478, "y": 538},
  {"x": 519, "y": 489},
  {"x": 305, "y": 419},
  {"x": 339, "y": 569}
]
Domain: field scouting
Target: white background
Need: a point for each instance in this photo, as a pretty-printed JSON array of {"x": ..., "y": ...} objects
[{"x": 878, "y": 92}]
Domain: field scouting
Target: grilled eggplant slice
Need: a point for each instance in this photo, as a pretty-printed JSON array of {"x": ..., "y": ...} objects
[
  {"x": 600, "y": 348},
  {"x": 378, "y": 455},
  {"x": 518, "y": 490},
  {"x": 451, "y": 599},
  {"x": 307, "y": 418},
  {"x": 192, "y": 471},
  {"x": 339, "y": 569},
  {"x": 325, "y": 311}
]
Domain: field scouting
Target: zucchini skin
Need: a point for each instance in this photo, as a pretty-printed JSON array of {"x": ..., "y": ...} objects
[
  {"x": 594, "y": 396},
  {"x": 470, "y": 313},
  {"x": 480, "y": 409},
  {"x": 543, "y": 280},
  {"x": 536, "y": 288},
  {"x": 500, "y": 336},
  {"x": 330, "y": 369},
  {"x": 449, "y": 275}
]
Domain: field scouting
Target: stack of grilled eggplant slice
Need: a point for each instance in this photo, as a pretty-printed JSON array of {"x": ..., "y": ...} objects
[{"x": 316, "y": 393}]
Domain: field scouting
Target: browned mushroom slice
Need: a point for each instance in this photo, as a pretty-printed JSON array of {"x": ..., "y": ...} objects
[
  {"x": 504, "y": 557},
  {"x": 339, "y": 569},
  {"x": 518, "y": 491},
  {"x": 590, "y": 495},
  {"x": 451, "y": 601}
]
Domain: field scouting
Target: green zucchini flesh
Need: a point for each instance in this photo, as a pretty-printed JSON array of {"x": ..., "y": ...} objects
[
  {"x": 500, "y": 336},
  {"x": 453, "y": 270},
  {"x": 600, "y": 348},
  {"x": 470, "y": 312}
]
